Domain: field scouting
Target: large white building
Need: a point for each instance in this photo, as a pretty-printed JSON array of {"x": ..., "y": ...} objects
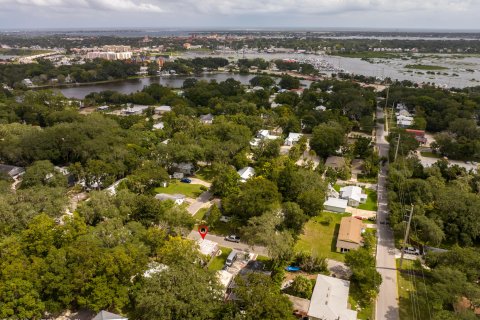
[
  {"x": 330, "y": 300},
  {"x": 109, "y": 55}
]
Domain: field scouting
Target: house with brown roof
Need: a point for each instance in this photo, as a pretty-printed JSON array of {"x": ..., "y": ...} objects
[{"x": 350, "y": 234}]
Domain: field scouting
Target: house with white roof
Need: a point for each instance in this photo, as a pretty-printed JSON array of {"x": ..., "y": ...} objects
[
  {"x": 293, "y": 138},
  {"x": 206, "y": 118},
  {"x": 177, "y": 198},
  {"x": 353, "y": 195},
  {"x": 404, "y": 121},
  {"x": 330, "y": 300},
  {"x": 158, "y": 126},
  {"x": 246, "y": 173},
  {"x": 105, "y": 315},
  {"x": 207, "y": 247},
  {"x": 162, "y": 109},
  {"x": 335, "y": 205},
  {"x": 320, "y": 108}
]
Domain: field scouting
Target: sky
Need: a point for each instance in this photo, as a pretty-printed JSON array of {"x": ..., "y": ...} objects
[{"x": 391, "y": 14}]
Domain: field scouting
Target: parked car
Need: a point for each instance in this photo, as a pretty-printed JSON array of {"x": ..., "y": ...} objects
[
  {"x": 186, "y": 180},
  {"x": 411, "y": 250},
  {"x": 231, "y": 258},
  {"x": 233, "y": 238},
  {"x": 225, "y": 219}
]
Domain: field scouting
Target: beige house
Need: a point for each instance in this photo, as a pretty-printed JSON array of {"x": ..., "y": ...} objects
[{"x": 350, "y": 234}]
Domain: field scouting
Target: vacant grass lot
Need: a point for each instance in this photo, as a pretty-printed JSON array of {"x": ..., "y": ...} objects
[
  {"x": 320, "y": 236},
  {"x": 410, "y": 287},
  {"x": 430, "y": 154},
  {"x": 188, "y": 189},
  {"x": 371, "y": 203},
  {"x": 217, "y": 263}
]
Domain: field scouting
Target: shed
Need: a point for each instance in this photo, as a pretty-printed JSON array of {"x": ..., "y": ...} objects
[{"x": 335, "y": 205}]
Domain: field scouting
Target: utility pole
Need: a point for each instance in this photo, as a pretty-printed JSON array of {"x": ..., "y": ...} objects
[
  {"x": 396, "y": 148},
  {"x": 406, "y": 236}
]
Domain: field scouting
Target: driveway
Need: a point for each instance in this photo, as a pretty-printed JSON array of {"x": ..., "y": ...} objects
[
  {"x": 200, "y": 182},
  {"x": 203, "y": 201},
  {"x": 259, "y": 250},
  {"x": 361, "y": 213},
  {"x": 387, "y": 300}
]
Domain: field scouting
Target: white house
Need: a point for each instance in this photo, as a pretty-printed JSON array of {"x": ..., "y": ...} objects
[
  {"x": 320, "y": 108},
  {"x": 27, "y": 82},
  {"x": 353, "y": 195},
  {"x": 162, "y": 109},
  {"x": 158, "y": 126},
  {"x": 206, "y": 118},
  {"x": 246, "y": 173},
  {"x": 404, "y": 121},
  {"x": 335, "y": 205},
  {"x": 330, "y": 300},
  {"x": 177, "y": 198},
  {"x": 105, "y": 315},
  {"x": 207, "y": 247},
  {"x": 293, "y": 138}
]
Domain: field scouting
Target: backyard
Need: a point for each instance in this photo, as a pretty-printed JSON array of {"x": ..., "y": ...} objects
[
  {"x": 188, "y": 189},
  {"x": 371, "y": 203},
  {"x": 320, "y": 236}
]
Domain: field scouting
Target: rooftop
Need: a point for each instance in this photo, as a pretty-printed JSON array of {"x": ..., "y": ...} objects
[
  {"x": 350, "y": 230},
  {"x": 329, "y": 300}
]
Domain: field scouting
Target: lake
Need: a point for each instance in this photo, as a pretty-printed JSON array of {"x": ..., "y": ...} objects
[{"x": 134, "y": 85}]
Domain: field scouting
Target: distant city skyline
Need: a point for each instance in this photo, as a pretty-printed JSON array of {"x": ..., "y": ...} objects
[{"x": 366, "y": 14}]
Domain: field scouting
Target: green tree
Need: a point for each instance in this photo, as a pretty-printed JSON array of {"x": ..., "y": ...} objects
[
  {"x": 301, "y": 287},
  {"x": 327, "y": 138},
  {"x": 289, "y": 82}
]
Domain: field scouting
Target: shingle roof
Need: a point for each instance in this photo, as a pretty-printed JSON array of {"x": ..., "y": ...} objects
[{"x": 350, "y": 230}]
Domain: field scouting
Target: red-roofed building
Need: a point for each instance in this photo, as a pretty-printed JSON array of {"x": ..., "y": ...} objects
[{"x": 419, "y": 135}]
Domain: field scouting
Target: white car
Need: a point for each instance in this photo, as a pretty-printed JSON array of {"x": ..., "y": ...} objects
[
  {"x": 412, "y": 250},
  {"x": 225, "y": 219}
]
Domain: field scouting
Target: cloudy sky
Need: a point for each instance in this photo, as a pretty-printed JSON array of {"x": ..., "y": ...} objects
[{"x": 430, "y": 14}]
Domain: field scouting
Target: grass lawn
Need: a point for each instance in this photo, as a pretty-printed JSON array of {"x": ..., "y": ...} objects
[
  {"x": 360, "y": 178},
  {"x": 425, "y": 67},
  {"x": 363, "y": 313},
  {"x": 410, "y": 286},
  {"x": 430, "y": 154},
  {"x": 321, "y": 239},
  {"x": 217, "y": 263},
  {"x": 224, "y": 229},
  {"x": 337, "y": 187},
  {"x": 188, "y": 189},
  {"x": 205, "y": 174},
  {"x": 371, "y": 203}
]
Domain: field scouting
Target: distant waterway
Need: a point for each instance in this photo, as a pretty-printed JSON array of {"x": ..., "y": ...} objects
[{"x": 463, "y": 71}]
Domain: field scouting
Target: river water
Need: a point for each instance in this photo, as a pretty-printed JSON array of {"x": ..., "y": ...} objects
[{"x": 463, "y": 71}]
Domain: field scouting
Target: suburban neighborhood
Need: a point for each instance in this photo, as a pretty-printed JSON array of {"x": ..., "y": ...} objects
[{"x": 295, "y": 194}]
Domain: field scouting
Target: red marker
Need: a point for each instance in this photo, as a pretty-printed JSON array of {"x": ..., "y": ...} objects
[{"x": 203, "y": 230}]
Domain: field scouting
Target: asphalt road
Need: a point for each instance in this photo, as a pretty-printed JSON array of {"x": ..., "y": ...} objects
[
  {"x": 194, "y": 235},
  {"x": 387, "y": 300}
]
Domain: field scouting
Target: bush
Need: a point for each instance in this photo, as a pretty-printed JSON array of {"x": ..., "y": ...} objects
[{"x": 309, "y": 263}]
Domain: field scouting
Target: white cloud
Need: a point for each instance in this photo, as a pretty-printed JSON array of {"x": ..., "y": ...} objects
[{"x": 250, "y": 6}]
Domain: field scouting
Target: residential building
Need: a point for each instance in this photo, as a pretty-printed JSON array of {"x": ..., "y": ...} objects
[
  {"x": 331, "y": 192},
  {"x": 184, "y": 167},
  {"x": 158, "y": 126},
  {"x": 321, "y": 108},
  {"x": 293, "y": 138},
  {"x": 404, "y": 121},
  {"x": 246, "y": 173},
  {"x": 419, "y": 135},
  {"x": 135, "y": 109},
  {"x": 353, "y": 195},
  {"x": 208, "y": 247},
  {"x": 225, "y": 278},
  {"x": 206, "y": 118},
  {"x": 330, "y": 300},
  {"x": 162, "y": 109},
  {"x": 28, "y": 83},
  {"x": 335, "y": 162},
  {"x": 105, "y": 315},
  {"x": 177, "y": 198},
  {"x": 335, "y": 205},
  {"x": 350, "y": 234},
  {"x": 11, "y": 171}
]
